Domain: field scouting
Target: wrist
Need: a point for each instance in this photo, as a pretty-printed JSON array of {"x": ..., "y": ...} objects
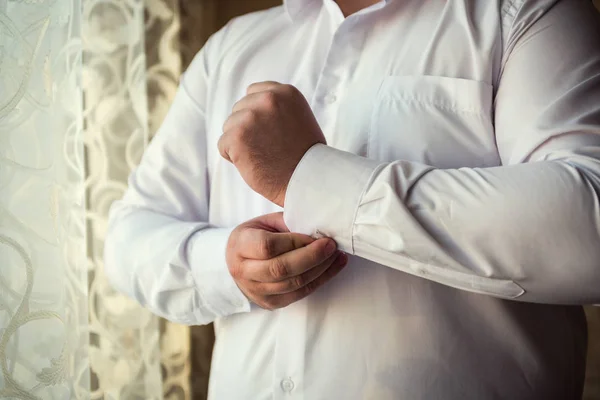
[{"x": 280, "y": 198}]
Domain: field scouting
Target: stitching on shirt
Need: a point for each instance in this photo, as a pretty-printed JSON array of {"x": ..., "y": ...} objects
[
  {"x": 199, "y": 301},
  {"x": 439, "y": 104},
  {"x": 375, "y": 172},
  {"x": 509, "y": 12},
  {"x": 374, "y": 118}
]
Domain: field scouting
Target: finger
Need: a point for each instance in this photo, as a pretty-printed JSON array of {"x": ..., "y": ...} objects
[
  {"x": 240, "y": 118},
  {"x": 284, "y": 300},
  {"x": 264, "y": 245},
  {"x": 273, "y": 222},
  {"x": 292, "y": 263},
  {"x": 223, "y": 146},
  {"x": 296, "y": 282},
  {"x": 253, "y": 101},
  {"x": 262, "y": 86}
]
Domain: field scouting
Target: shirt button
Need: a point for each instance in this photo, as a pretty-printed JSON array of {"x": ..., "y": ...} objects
[
  {"x": 330, "y": 98},
  {"x": 287, "y": 385}
]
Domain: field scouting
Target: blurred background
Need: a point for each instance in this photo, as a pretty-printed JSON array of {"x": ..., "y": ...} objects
[{"x": 84, "y": 85}]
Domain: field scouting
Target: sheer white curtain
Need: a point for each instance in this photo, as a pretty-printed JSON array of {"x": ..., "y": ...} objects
[
  {"x": 43, "y": 276},
  {"x": 124, "y": 339},
  {"x": 75, "y": 90}
]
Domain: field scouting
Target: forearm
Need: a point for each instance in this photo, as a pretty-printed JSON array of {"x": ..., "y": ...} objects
[
  {"x": 159, "y": 248},
  {"x": 175, "y": 269},
  {"x": 526, "y": 232}
]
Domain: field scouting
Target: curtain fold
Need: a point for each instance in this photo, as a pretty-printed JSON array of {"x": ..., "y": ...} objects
[
  {"x": 124, "y": 339},
  {"x": 131, "y": 70},
  {"x": 163, "y": 68}
]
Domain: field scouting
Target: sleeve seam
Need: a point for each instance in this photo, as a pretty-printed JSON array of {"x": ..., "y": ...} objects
[
  {"x": 216, "y": 313},
  {"x": 200, "y": 301},
  {"x": 358, "y": 203}
]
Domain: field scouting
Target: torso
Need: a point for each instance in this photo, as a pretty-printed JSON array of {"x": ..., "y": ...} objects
[{"x": 385, "y": 84}]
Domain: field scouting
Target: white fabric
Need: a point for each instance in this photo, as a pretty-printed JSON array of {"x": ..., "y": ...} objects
[
  {"x": 44, "y": 325},
  {"x": 463, "y": 154}
]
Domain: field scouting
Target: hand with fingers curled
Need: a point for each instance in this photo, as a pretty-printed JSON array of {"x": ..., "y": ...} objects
[
  {"x": 266, "y": 136},
  {"x": 274, "y": 267}
]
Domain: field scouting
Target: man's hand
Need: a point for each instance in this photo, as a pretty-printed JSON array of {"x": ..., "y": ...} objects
[
  {"x": 267, "y": 135},
  {"x": 275, "y": 268}
]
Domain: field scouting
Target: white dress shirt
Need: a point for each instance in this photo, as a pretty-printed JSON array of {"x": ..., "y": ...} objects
[{"x": 462, "y": 176}]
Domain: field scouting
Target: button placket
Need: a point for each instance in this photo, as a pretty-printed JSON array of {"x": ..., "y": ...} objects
[
  {"x": 335, "y": 75},
  {"x": 291, "y": 345},
  {"x": 290, "y": 348}
]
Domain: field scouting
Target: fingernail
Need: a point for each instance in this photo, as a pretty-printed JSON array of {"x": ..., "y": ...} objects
[
  {"x": 331, "y": 247},
  {"x": 342, "y": 259}
]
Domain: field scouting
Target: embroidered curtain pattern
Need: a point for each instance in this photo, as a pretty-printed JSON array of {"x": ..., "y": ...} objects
[{"x": 43, "y": 270}]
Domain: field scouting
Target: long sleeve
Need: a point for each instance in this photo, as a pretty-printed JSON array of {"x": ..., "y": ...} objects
[
  {"x": 528, "y": 229},
  {"x": 159, "y": 248}
]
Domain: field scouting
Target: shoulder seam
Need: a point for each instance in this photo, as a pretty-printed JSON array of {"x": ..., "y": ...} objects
[{"x": 509, "y": 14}]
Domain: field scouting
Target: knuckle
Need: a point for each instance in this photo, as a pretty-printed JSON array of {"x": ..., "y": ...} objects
[
  {"x": 222, "y": 144},
  {"x": 237, "y": 105},
  {"x": 250, "y": 117},
  {"x": 269, "y": 100},
  {"x": 278, "y": 269},
  {"x": 234, "y": 239},
  {"x": 289, "y": 89},
  {"x": 243, "y": 235},
  {"x": 237, "y": 134},
  {"x": 298, "y": 282},
  {"x": 310, "y": 287},
  {"x": 253, "y": 87},
  {"x": 236, "y": 271},
  {"x": 266, "y": 246}
]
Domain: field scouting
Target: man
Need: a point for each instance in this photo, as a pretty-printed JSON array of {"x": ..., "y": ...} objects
[{"x": 450, "y": 149}]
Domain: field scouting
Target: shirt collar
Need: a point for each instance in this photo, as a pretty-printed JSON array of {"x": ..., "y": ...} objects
[{"x": 295, "y": 8}]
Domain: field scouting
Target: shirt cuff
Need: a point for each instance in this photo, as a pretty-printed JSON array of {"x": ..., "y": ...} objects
[
  {"x": 324, "y": 193},
  {"x": 218, "y": 291}
]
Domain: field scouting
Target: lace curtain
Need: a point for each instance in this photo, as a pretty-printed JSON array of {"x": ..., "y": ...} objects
[
  {"x": 84, "y": 84},
  {"x": 43, "y": 276},
  {"x": 132, "y": 63}
]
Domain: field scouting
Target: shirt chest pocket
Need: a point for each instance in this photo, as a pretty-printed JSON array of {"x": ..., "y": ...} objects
[{"x": 439, "y": 121}]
